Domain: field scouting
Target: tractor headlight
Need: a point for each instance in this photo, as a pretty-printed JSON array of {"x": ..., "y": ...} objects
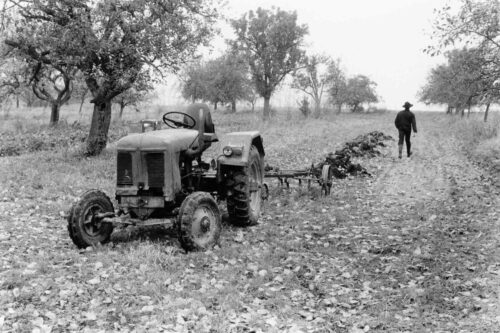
[
  {"x": 232, "y": 151},
  {"x": 227, "y": 151}
]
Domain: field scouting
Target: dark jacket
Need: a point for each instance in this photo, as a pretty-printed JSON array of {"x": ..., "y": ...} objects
[{"x": 405, "y": 120}]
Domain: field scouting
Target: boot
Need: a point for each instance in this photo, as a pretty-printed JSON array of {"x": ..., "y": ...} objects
[{"x": 400, "y": 149}]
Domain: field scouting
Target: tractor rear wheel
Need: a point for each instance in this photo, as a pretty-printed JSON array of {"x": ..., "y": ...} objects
[
  {"x": 84, "y": 228},
  {"x": 199, "y": 222},
  {"x": 244, "y": 187}
]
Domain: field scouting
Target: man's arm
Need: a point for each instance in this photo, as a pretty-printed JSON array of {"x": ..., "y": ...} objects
[{"x": 414, "y": 123}]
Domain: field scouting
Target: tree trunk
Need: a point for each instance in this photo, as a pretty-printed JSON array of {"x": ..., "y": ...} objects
[
  {"x": 215, "y": 106},
  {"x": 81, "y": 106},
  {"x": 317, "y": 109},
  {"x": 267, "y": 107},
  {"x": 17, "y": 101},
  {"x": 233, "y": 106},
  {"x": 122, "y": 106},
  {"x": 55, "y": 107},
  {"x": 99, "y": 127},
  {"x": 82, "y": 100},
  {"x": 486, "y": 112},
  {"x": 339, "y": 108}
]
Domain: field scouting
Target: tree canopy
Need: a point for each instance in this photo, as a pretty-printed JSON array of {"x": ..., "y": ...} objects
[
  {"x": 459, "y": 83},
  {"x": 337, "y": 84},
  {"x": 221, "y": 80},
  {"x": 271, "y": 41},
  {"x": 475, "y": 28},
  {"x": 360, "y": 89}
]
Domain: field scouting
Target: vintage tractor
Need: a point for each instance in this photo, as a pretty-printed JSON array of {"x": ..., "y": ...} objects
[{"x": 161, "y": 179}]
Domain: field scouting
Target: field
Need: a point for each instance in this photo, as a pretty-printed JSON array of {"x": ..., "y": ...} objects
[{"x": 413, "y": 248}]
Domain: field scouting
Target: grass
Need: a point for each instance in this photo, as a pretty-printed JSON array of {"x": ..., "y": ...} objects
[
  {"x": 480, "y": 139},
  {"x": 341, "y": 263}
]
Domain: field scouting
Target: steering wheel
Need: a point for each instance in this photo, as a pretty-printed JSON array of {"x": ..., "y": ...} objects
[{"x": 187, "y": 121}]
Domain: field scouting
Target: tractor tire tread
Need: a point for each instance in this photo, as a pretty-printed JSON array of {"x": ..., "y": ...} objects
[
  {"x": 74, "y": 229},
  {"x": 238, "y": 202},
  {"x": 186, "y": 211}
]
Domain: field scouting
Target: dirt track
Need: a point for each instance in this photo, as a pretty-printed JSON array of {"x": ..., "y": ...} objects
[
  {"x": 415, "y": 248},
  {"x": 451, "y": 208}
]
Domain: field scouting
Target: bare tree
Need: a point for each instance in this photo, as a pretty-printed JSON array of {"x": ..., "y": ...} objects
[{"x": 313, "y": 79}]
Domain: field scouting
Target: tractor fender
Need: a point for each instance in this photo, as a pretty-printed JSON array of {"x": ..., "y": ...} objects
[{"x": 240, "y": 142}]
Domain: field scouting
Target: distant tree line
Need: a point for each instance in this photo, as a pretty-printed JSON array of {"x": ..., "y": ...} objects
[
  {"x": 267, "y": 49},
  {"x": 470, "y": 76}
]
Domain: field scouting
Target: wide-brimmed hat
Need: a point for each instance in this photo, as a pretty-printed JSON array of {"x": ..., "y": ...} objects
[{"x": 407, "y": 105}]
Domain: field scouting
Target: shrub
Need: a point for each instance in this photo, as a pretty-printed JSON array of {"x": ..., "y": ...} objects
[{"x": 304, "y": 107}]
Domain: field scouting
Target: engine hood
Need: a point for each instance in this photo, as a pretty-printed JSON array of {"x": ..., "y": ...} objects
[{"x": 174, "y": 140}]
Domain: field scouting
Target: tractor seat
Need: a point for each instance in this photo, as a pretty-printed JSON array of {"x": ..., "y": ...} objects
[{"x": 209, "y": 135}]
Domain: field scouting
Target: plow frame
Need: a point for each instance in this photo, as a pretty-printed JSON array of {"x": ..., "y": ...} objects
[{"x": 325, "y": 180}]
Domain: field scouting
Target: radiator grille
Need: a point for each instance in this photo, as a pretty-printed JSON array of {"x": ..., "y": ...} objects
[
  {"x": 155, "y": 165},
  {"x": 124, "y": 169}
]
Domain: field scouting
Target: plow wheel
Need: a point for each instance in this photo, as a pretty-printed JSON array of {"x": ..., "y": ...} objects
[
  {"x": 245, "y": 188},
  {"x": 326, "y": 179},
  {"x": 199, "y": 222},
  {"x": 84, "y": 227}
]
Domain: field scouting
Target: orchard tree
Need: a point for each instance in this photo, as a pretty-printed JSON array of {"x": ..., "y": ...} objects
[
  {"x": 337, "y": 84},
  {"x": 54, "y": 87},
  {"x": 194, "y": 82},
  {"x": 313, "y": 79},
  {"x": 476, "y": 25},
  {"x": 360, "y": 89},
  {"x": 80, "y": 90},
  {"x": 48, "y": 84},
  {"x": 252, "y": 96},
  {"x": 460, "y": 83},
  {"x": 221, "y": 80},
  {"x": 439, "y": 88},
  {"x": 139, "y": 92},
  {"x": 12, "y": 79},
  {"x": 112, "y": 43},
  {"x": 271, "y": 41},
  {"x": 228, "y": 79}
]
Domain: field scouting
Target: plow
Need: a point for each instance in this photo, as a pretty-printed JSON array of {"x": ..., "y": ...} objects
[
  {"x": 312, "y": 175},
  {"x": 336, "y": 165}
]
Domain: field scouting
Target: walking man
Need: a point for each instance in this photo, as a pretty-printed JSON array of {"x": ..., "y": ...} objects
[{"x": 405, "y": 121}]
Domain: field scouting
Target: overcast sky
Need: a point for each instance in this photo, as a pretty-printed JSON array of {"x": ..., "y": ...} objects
[{"x": 382, "y": 39}]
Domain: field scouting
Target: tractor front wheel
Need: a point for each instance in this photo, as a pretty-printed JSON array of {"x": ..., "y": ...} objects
[
  {"x": 85, "y": 228},
  {"x": 199, "y": 222},
  {"x": 244, "y": 186}
]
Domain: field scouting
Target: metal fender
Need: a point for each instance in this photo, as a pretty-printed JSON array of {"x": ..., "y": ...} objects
[{"x": 239, "y": 143}]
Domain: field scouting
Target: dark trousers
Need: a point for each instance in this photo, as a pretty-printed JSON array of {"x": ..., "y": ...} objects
[{"x": 405, "y": 136}]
